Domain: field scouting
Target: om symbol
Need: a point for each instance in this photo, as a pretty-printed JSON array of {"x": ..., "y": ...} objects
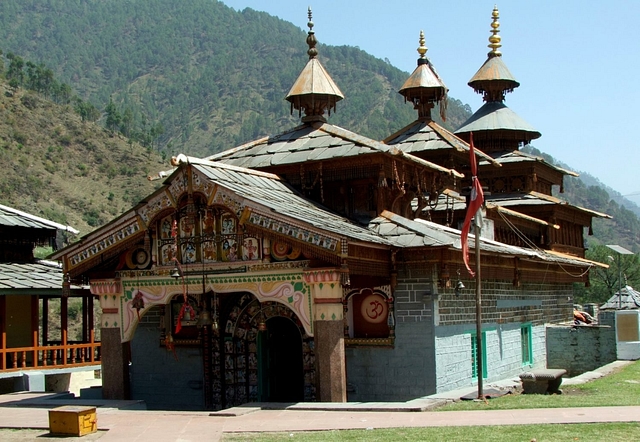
[{"x": 374, "y": 309}]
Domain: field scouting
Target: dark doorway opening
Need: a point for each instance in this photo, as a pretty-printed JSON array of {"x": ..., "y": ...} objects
[{"x": 280, "y": 354}]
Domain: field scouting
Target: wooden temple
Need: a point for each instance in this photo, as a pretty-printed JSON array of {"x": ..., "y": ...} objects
[{"x": 318, "y": 264}]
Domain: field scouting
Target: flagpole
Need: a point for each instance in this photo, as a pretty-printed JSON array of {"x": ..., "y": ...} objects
[{"x": 478, "y": 309}]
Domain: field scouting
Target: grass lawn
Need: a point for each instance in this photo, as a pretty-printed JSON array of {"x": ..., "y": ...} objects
[
  {"x": 610, "y": 432},
  {"x": 619, "y": 388}
]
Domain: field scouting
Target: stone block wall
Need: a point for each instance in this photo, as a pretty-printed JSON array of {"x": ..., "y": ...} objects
[
  {"x": 503, "y": 303},
  {"x": 581, "y": 348},
  {"x": 401, "y": 373},
  {"x": 407, "y": 370},
  {"x": 432, "y": 351},
  {"x": 164, "y": 380},
  {"x": 503, "y": 349}
]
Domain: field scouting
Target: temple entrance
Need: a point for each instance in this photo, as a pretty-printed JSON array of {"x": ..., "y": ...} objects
[
  {"x": 261, "y": 353},
  {"x": 281, "y": 362}
]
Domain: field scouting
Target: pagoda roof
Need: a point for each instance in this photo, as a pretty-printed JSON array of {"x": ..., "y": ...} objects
[
  {"x": 426, "y": 135},
  {"x": 314, "y": 91},
  {"x": 424, "y": 76},
  {"x": 314, "y": 141},
  {"x": 536, "y": 199},
  {"x": 314, "y": 79},
  {"x": 494, "y": 116},
  {"x": 406, "y": 233},
  {"x": 517, "y": 156},
  {"x": 493, "y": 70}
]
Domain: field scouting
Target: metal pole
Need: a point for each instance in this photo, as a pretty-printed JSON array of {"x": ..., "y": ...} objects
[
  {"x": 478, "y": 309},
  {"x": 619, "y": 281}
]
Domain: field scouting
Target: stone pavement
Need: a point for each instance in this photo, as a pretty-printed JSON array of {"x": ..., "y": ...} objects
[{"x": 30, "y": 410}]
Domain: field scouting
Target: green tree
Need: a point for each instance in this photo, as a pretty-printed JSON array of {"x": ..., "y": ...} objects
[
  {"x": 605, "y": 281},
  {"x": 114, "y": 118}
]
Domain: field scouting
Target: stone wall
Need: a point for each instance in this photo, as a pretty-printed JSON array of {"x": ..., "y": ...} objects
[
  {"x": 163, "y": 380},
  {"x": 407, "y": 370},
  {"x": 503, "y": 349},
  {"x": 581, "y": 348},
  {"x": 434, "y": 328},
  {"x": 503, "y": 303}
]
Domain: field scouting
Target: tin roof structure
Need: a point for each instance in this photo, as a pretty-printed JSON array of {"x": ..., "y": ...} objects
[
  {"x": 495, "y": 115},
  {"x": 314, "y": 91},
  {"x": 424, "y": 87},
  {"x": 494, "y": 80}
]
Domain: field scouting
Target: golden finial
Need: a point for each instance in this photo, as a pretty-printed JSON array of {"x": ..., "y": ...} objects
[
  {"x": 422, "y": 49},
  {"x": 494, "y": 40},
  {"x": 311, "y": 39}
]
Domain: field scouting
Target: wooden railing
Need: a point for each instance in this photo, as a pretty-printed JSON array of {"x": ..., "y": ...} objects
[{"x": 49, "y": 356}]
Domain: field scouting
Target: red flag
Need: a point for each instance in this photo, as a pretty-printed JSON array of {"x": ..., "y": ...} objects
[{"x": 475, "y": 202}]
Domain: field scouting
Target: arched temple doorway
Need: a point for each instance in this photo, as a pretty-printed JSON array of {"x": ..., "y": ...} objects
[{"x": 262, "y": 353}]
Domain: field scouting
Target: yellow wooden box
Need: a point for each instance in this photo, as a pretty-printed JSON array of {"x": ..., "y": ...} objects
[{"x": 73, "y": 420}]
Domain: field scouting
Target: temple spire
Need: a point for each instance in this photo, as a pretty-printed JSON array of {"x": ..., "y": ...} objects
[
  {"x": 311, "y": 38},
  {"x": 424, "y": 88},
  {"x": 313, "y": 92},
  {"x": 495, "y": 127},
  {"x": 494, "y": 39},
  {"x": 494, "y": 80}
]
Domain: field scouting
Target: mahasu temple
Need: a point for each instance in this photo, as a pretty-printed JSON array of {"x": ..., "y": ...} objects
[{"x": 321, "y": 265}]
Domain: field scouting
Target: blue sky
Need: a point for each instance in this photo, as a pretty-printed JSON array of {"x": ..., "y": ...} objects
[{"x": 576, "y": 61}]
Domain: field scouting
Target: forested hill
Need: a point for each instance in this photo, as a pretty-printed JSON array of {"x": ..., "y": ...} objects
[
  {"x": 204, "y": 76},
  {"x": 587, "y": 191},
  {"x": 196, "y": 77}
]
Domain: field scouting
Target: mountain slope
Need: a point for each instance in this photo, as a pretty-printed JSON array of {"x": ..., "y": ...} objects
[
  {"x": 212, "y": 77},
  {"x": 66, "y": 170}
]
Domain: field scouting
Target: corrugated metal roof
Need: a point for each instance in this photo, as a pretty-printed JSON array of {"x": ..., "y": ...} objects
[
  {"x": 11, "y": 217},
  {"x": 495, "y": 115}
]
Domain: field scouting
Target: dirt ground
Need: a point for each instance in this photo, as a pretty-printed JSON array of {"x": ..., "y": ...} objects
[{"x": 40, "y": 435}]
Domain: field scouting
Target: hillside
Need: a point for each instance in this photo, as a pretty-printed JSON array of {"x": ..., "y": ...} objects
[
  {"x": 64, "y": 169},
  {"x": 210, "y": 77},
  {"x": 587, "y": 191},
  {"x": 201, "y": 76}
]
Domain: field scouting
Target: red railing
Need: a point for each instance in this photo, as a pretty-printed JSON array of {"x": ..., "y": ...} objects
[{"x": 50, "y": 356}]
